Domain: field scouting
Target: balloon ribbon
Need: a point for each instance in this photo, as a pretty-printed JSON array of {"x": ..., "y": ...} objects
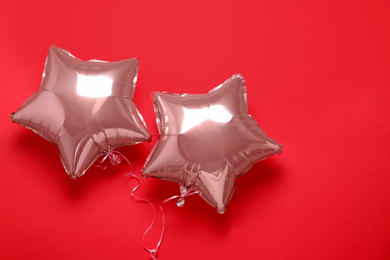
[{"x": 115, "y": 159}]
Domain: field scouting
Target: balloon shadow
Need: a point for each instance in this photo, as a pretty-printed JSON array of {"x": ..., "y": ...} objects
[
  {"x": 97, "y": 174},
  {"x": 46, "y": 153},
  {"x": 249, "y": 188},
  {"x": 37, "y": 149},
  {"x": 253, "y": 184}
]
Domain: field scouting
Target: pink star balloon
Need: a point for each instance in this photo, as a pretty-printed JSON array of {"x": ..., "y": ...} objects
[
  {"x": 207, "y": 140},
  {"x": 85, "y": 108}
]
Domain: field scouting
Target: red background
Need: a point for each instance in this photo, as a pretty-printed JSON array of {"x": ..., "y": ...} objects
[{"x": 317, "y": 75}]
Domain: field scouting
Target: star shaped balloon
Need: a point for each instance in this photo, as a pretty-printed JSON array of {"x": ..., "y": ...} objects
[
  {"x": 207, "y": 140},
  {"x": 85, "y": 108}
]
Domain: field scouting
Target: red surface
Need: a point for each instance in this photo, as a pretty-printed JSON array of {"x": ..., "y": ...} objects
[{"x": 318, "y": 82}]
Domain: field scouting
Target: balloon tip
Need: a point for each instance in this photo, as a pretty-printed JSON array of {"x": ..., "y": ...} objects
[
  {"x": 238, "y": 75},
  {"x": 280, "y": 150},
  {"x": 12, "y": 117},
  {"x": 221, "y": 210}
]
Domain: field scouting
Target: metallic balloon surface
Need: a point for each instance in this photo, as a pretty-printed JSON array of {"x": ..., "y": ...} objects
[
  {"x": 85, "y": 108},
  {"x": 207, "y": 140}
]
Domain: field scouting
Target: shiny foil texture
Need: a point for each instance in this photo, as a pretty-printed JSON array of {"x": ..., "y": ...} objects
[
  {"x": 85, "y": 108},
  {"x": 207, "y": 140}
]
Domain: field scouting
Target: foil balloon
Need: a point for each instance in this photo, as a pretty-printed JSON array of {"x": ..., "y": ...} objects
[
  {"x": 85, "y": 108},
  {"x": 207, "y": 140}
]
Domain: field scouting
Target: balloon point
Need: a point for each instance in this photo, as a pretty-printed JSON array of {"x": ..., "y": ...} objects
[
  {"x": 73, "y": 177},
  {"x": 238, "y": 75},
  {"x": 280, "y": 150},
  {"x": 12, "y": 117},
  {"x": 222, "y": 210}
]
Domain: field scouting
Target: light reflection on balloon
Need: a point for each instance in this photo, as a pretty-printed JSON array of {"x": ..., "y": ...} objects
[
  {"x": 194, "y": 117},
  {"x": 93, "y": 86}
]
